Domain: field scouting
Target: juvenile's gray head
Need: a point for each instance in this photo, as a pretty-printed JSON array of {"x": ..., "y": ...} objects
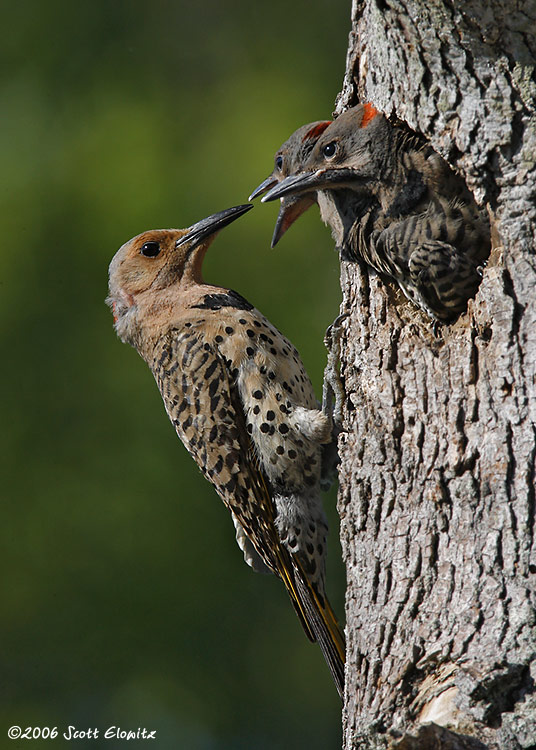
[
  {"x": 345, "y": 168},
  {"x": 288, "y": 160},
  {"x": 353, "y": 152}
]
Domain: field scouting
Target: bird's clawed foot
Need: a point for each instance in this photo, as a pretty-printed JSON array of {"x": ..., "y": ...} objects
[{"x": 333, "y": 391}]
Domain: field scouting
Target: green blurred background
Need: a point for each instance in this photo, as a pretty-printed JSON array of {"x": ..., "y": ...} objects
[{"x": 126, "y": 600}]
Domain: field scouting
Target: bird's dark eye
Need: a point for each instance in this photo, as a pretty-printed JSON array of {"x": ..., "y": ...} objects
[
  {"x": 329, "y": 149},
  {"x": 150, "y": 249},
  {"x": 279, "y": 162}
]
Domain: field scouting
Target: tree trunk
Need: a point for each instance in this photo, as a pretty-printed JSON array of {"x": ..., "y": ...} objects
[{"x": 437, "y": 475}]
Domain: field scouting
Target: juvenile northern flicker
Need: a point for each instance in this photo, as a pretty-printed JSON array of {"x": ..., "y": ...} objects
[
  {"x": 242, "y": 404},
  {"x": 392, "y": 201},
  {"x": 288, "y": 160}
]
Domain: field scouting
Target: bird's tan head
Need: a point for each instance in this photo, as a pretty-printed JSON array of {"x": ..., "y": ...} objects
[{"x": 160, "y": 259}]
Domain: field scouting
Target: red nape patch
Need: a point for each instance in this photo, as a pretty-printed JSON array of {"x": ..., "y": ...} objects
[
  {"x": 114, "y": 305},
  {"x": 317, "y": 131},
  {"x": 369, "y": 113}
]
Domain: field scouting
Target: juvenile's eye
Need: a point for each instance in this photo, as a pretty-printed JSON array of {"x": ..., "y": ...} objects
[
  {"x": 150, "y": 249},
  {"x": 279, "y": 162},
  {"x": 329, "y": 149}
]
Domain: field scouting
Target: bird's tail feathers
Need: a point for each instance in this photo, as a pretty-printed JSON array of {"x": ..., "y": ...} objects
[
  {"x": 287, "y": 576},
  {"x": 315, "y": 614},
  {"x": 321, "y": 621}
]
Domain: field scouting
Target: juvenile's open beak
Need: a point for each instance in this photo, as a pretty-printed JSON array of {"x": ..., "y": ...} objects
[
  {"x": 292, "y": 207},
  {"x": 212, "y": 224},
  {"x": 265, "y": 185}
]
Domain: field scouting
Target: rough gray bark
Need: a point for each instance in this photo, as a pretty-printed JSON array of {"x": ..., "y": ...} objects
[{"x": 438, "y": 453}]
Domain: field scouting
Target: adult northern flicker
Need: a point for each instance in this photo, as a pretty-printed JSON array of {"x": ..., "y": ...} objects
[
  {"x": 393, "y": 202},
  {"x": 287, "y": 161},
  {"x": 242, "y": 404}
]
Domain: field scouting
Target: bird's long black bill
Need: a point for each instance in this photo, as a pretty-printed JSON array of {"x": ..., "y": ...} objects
[
  {"x": 322, "y": 179},
  {"x": 212, "y": 224},
  {"x": 265, "y": 185}
]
